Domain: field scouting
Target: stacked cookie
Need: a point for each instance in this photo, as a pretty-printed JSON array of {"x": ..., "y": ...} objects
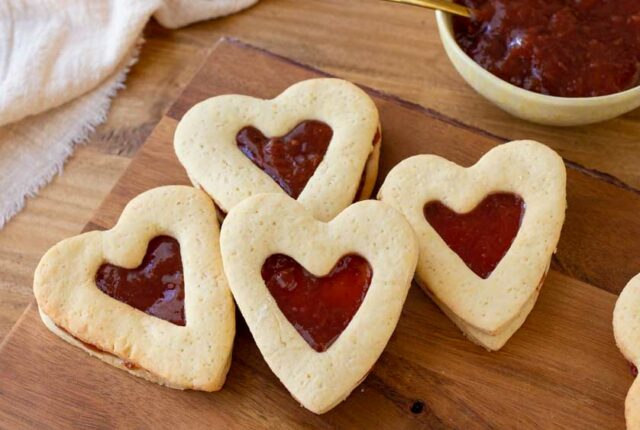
[
  {"x": 319, "y": 276},
  {"x": 486, "y": 233},
  {"x": 172, "y": 320}
]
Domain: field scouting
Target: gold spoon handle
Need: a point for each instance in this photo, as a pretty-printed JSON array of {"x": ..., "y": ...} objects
[{"x": 443, "y": 5}]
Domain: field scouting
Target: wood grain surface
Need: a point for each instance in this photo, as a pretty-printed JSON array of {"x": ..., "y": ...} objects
[{"x": 561, "y": 370}]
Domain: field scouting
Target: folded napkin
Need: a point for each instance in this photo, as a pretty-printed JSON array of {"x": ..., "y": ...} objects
[{"x": 61, "y": 62}]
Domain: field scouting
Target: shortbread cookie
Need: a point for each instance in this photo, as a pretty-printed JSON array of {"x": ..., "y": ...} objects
[
  {"x": 148, "y": 296},
  {"x": 321, "y": 299},
  {"x": 626, "y": 329},
  {"x": 319, "y": 142},
  {"x": 486, "y": 233}
]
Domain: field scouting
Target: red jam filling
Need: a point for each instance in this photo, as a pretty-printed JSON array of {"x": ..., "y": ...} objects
[
  {"x": 480, "y": 237},
  {"x": 155, "y": 287},
  {"x": 562, "y": 48},
  {"x": 290, "y": 160},
  {"x": 319, "y": 308}
]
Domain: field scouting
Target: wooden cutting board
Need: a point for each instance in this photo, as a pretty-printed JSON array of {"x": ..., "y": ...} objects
[{"x": 560, "y": 370}]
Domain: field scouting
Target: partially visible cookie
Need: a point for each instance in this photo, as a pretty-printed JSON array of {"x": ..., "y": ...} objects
[
  {"x": 321, "y": 299},
  {"x": 319, "y": 142},
  {"x": 148, "y": 296},
  {"x": 626, "y": 329},
  {"x": 486, "y": 233}
]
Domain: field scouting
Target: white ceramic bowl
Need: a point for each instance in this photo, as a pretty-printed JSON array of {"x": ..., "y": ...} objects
[{"x": 534, "y": 107}]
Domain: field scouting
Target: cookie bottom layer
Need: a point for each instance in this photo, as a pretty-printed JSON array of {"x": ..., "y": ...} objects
[
  {"x": 108, "y": 358},
  {"x": 370, "y": 174},
  {"x": 490, "y": 341}
]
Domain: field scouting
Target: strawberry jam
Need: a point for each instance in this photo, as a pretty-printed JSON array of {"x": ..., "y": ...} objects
[
  {"x": 480, "y": 237},
  {"x": 567, "y": 48},
  {"x": 319, "y": 308},
  {"x": 290, "y": 160},
  {"x": 155, "y": 287}
]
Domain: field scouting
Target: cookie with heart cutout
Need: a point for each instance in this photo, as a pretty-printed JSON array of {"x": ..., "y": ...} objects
[
  {"x": 486, "y": 233},
  {"x": 626, "y": 329},
  {"x": 148, "y": 296},
  {"x": 321, "y": 299},
  {"x": 319, "y": 142}
]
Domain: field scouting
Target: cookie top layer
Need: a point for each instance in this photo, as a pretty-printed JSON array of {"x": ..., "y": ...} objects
[
  {"x": 195, "y": 356},
  {"x": 525, "y": 168},
  {"x": 626, "y": 321},
  {"x": 205, "y": 142},
  {"x": 270, "y": 224},
  {"x": 626, "y": 329}
]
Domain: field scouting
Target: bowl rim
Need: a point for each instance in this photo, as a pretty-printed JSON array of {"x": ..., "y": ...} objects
[{"x": 445, "y": 28}]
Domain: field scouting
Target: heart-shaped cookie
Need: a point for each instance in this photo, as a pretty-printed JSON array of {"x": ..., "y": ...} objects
[
  {"x": 148, "y": 296},
  {"x": 626, "y": 329},
  {"x": 318, "y": 141},
  {"x": 321, "y": 299},
  {"x": 486, "y": 233}
]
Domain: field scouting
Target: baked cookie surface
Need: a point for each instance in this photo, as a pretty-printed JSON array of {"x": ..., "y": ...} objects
[
  {"x": 292, "y": 311},
  {"x": 318, "y": 141},
  {"x": 486, "y": 233},
  {"x": 626, "y": 329},
  {"x": 182, "y": 339}
]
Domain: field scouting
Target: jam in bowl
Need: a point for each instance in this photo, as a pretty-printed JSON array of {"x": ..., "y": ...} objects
[
  {"x": 564, "y": 48},
  {"x": 555, "y": 62}
]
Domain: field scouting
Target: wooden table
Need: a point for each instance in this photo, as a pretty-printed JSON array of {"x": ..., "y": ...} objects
[
  {"x": 390, "y": 47},
  {"x": 561, "y": 370}
]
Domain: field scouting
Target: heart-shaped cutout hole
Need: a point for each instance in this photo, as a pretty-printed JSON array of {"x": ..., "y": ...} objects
[
  {"x": 290, "y": 160},
  {"x": 155, "y": 287},
  {"x": 319, "y": 308},
  {"x": 481, "y": 237}
]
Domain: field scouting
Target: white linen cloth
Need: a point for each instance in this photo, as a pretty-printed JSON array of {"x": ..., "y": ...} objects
[{"x": 61, "y": 62}]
